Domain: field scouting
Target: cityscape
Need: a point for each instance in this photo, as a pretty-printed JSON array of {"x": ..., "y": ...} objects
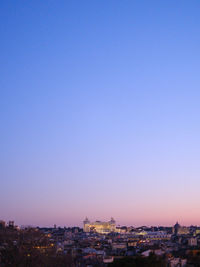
[
  {"x": 100, "y": 133},
  {"x": 99, "y": 243}
]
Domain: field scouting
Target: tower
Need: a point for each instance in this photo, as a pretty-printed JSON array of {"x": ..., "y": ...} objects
[
  {"x": 112, "y": 225},
  {"x": 176, "y": 228},
  {"x": 86, "y": 223}
]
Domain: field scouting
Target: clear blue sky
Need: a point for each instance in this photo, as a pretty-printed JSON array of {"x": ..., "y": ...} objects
[{"x": 100, "y": 112}]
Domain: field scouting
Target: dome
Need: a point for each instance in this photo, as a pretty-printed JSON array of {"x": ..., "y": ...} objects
[{"x": 177, "y": 225}]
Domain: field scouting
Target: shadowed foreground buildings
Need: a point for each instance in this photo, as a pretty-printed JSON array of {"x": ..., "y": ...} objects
[{"x": 99, "y": 244}]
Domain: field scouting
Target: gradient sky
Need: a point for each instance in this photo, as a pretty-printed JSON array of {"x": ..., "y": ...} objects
[{"x": 100, "y": 111}]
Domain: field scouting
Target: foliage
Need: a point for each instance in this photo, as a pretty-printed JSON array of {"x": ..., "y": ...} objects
[{"x": 151, "y": 261}]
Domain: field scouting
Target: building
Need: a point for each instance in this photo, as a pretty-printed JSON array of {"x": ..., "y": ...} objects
[
  {"x": 11, "y": 224},
  {"x": 158, "y": 235},
  {"x": 99, "y": 227},
  {"x": 197, "y": 231},
  {"x": 176, "y": 262},
  {"x": 2, "y": 224},
  {"x": 180, "y": 230},
  {"x": 192, "y": 241}
]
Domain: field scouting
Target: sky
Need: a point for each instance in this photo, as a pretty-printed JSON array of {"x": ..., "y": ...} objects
[{"x": 99, "y": 111}]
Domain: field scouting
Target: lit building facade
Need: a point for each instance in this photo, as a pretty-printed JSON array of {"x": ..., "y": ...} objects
[{"x": 99, "y": 227}]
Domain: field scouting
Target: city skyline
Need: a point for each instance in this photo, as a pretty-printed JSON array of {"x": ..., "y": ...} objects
[
  {"x": 98, "y": 220},
  {"x": 99, "y": 106},
  {"x": 100, "y": 243}
]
